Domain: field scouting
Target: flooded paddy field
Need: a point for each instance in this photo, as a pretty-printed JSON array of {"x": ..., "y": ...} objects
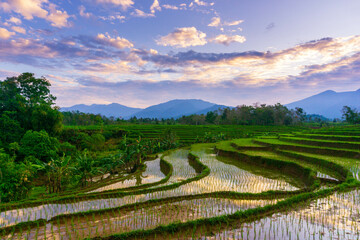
[{"x": 249, "y": 188}]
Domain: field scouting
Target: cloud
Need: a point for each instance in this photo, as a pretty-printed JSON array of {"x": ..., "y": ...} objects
[
  {"x": 125, "y": 4},
  {"x": 183, "y": 37},
  {"x": 155, "y": 7},
  {"x": 27, "y": 8},
  {"x": 112, "y": 18},
  {"x": 18, "y": 29},
  {"x": 233, "y": 23},
  {"x": 20, "y": 50},
  {"x": 57, "y": 18},
  {"x": 172, "y": 7},
  {"x": 200, "y": 3},
  {"x": 117, "y": 42},
  {"x": 139, "y": 13},
  {"x": 216, "y": 22},
  {"x": 5, "y": 34},
  {"x": 14, "y": 20},
  {"x": 227, "y": 40},
  {"x": 82, "y": 12},
  {"x": 37, "y": 8}
]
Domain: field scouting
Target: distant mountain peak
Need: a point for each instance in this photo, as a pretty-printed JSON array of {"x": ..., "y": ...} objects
[
  {"x": 328, "y": 92},
  {"x": 172, "y": 109},
  {"x": 328, "y": 103}
]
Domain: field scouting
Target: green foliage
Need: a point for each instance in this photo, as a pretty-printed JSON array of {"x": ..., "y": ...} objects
[
  {"x": 15, "y": 179},
  {"x": 22, "y": 95},
  {"x": 248, "y": 115},
  {"x": 39, "y": 145},
  {"x": 210, "y": 117},
  {"x": 74, "y": 136},
  {"x": 14, "y": 148},
  {"x": 351, "y": 115},
  {"x": 57, "y": 172},
  {"x": 84, "y": 168},
  {"x": 44, "y": 117},
  {"x": 10, "y": 129},
  {"x": 94, "y": 142},
  {"x": 67, "y": 149}
]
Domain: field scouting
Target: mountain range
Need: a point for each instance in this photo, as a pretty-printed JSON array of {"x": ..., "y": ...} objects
[
  {"x": 328, "y": 104},
  {"x": 171, "y": 109}
]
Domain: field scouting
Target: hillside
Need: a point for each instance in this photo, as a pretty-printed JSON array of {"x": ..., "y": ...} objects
[{"x": 328, "y": 103}]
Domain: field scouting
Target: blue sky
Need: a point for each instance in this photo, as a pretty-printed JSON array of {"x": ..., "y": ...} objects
[{"x": 143, "y": 52}]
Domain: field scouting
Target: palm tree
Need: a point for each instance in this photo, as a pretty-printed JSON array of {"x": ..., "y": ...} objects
[
  {"x": 56, "y": 170},
  {"x": 85, "y": 168}
]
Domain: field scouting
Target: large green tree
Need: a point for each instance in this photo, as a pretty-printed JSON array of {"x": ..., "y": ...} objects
[
  {"x": 40, "y": 145},
  {"x": 27, "y": 100}
]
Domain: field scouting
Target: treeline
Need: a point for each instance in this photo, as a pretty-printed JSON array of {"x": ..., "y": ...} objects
[
  {"x": 249, "y": 115},
  {"x": 242, "y": 115}
]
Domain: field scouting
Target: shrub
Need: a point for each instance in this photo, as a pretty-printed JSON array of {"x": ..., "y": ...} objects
[{"x": 39, "y": 145}]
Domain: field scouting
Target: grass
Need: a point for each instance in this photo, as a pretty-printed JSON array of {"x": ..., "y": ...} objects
[
  {"x": 323, "y": 143},
  {"x": 340, "y": 152}
]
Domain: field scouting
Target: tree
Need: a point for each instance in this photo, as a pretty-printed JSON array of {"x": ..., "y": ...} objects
[
  {"x": 85, "y": 168},
  {"x": 210, "y": 117},
  {"x": 94, "y": 142},
  {"x": 15, "y": 179},
  {"x": 10, "y": 129},
  {"x": 30, "y": 101},
  {"x": 44, "y": 117},
  {"x": 299, "y": 115},
  {"x": 351, "y": 115},
  {"x": 39, "y": 144},
  {"x": 57, "y": 172}
]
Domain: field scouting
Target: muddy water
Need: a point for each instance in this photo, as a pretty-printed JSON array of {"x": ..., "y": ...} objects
[
  {"x": 222, "y": 177},
  {"x": 145, "y": 218}
]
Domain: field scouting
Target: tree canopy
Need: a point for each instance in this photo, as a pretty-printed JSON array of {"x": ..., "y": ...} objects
[{"x": 27, "y": 104}]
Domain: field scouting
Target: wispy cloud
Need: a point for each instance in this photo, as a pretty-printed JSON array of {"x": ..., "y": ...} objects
[
  {"x": 139, "y": 13},
  {"x": 155, "y": 7},
  {"x": 83, "y": 13},
  {"x": 125, "y": 4},
  {"x": 217, "y": 22}
]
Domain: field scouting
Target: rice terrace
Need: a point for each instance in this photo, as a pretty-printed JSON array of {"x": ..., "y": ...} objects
[
  {"x": 179, "y": 119},
  {"x": 276, "y": 183}
]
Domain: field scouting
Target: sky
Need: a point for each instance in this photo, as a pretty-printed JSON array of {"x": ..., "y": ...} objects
[{"x": 144, "y": 52}]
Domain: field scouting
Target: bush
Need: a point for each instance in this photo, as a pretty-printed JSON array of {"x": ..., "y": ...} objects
[
  {"x": 15, "y": 179},
  {"x": 95, "y": 142},
  {"x": 39, "y": 145},
  {"x": 67, "y": 149},
  {"x": 10, "y": 130}
]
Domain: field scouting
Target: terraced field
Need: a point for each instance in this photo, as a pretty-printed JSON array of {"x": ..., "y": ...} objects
[
  {"x": 186, "y": 134},
  {"x": 302, "y": 185}
]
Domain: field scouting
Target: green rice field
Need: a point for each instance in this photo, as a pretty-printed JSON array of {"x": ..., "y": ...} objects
[{"x": 262, "y": 183}]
